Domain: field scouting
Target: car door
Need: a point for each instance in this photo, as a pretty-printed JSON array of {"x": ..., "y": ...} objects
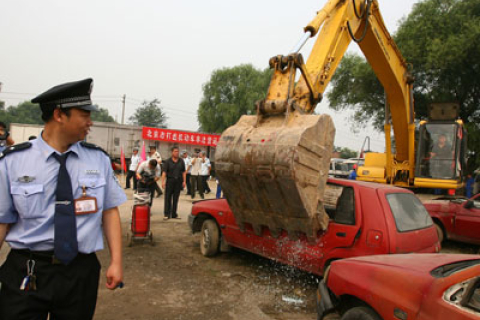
[{"x": 467, "y": 222}]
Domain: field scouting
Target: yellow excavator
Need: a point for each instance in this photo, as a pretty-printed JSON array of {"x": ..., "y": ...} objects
[{"x": 273, "y": 166}]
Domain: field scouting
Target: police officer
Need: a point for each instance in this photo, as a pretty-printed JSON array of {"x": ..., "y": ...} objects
[{"x": 58, "y": 196}]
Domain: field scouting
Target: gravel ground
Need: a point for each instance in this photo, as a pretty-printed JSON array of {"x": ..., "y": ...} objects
[{"x": 172, "y": 280}]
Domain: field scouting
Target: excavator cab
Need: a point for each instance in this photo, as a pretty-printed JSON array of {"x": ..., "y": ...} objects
[{"x": 441, "y": 149}]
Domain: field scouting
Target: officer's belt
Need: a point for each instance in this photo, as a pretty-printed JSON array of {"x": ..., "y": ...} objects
[{"x": 47, "y": 256}]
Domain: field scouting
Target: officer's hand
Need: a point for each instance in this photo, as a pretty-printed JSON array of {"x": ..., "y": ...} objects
[
  {"x": 163, "y": 185},
  {"x": 114, "y": 276},
  {"x": 183, "y": 184}
]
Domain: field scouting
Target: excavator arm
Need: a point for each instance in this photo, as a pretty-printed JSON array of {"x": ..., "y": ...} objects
[
  {"x": 273, "y": 166},
  {"x": 337, "y": 24}
]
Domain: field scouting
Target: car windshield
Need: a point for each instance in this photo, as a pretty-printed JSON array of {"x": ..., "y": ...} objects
[
  {"x": 448, "y": 269},
  {"x": 409, "y": 212}
]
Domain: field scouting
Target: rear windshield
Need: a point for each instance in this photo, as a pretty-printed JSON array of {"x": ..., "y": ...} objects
[{"x": 408, "y": 211}]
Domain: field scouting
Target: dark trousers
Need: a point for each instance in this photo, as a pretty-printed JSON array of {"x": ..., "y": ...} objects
[
  {"x": 131, "y": 174},
  {"x": 156, "y": 187},
  {"x": 66, "y": 292},
  {"x": 196, "y": 184},
  {"x": 205, "y": 184},
  {"x": 189, "y": 186},
  {"x": 172, "y": 192},
  {"x": 142, "y": 187}
]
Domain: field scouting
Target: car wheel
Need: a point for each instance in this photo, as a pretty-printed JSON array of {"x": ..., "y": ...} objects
[
  {"x": 361, "y": 313},
  {"x": 439, "y": 232},
  {"x": 210, "y": 238}
]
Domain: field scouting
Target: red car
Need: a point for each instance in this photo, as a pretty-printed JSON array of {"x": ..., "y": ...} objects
[
  {"x": 365, "y": 219},
  {"x": 456, "y": 219},
  {"x": 407, "y": 286}
]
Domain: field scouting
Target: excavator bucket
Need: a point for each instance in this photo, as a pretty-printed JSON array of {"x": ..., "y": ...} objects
[{"x": 274, "y": 172}]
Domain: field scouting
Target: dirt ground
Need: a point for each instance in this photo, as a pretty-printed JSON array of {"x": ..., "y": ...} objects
[{"x": 172, "y": 280}]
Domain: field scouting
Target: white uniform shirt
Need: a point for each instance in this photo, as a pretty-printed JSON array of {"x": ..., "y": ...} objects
[
  {"x": 188, "y": 162},
  {"x": 196, "y": 166},
  {"x": 134, "y": 162},
  {"x": 144, "y": 167},
  {"x": 155, "y": 156},
  {"x": 205, "y": 167}
]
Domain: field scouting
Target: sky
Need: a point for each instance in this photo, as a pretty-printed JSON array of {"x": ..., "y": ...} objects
[{"x": 150, "y": 49}]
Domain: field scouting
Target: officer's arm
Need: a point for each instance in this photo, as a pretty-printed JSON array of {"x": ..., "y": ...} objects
[
  {"x": 3, "y": 233},
  {"x": 113, "y": 233}
]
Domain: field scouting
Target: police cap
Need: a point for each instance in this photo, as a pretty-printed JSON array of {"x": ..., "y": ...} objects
[{"x": 68, "y": 95}]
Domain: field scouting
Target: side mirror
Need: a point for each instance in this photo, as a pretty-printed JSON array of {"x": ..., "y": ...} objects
[{"x": 469, "y": 204}]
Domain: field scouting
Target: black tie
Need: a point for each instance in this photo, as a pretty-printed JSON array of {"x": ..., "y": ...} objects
[{"x": 65, "y": 239}]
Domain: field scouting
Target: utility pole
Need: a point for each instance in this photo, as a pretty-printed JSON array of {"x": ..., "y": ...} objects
[{"x": 123, "y": 108}]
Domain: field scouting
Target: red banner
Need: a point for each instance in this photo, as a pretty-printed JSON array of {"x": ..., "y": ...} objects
[{"x": 182, "y": 137}]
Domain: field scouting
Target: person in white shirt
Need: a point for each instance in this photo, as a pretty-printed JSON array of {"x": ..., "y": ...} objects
[
  {"x": 188, "y": 162},
  {"x": 132, "y": 169},
  {"x": 154, "y": 154},
  {"x": 205, "y": 171},
  {"x": 148, "y": 174},
  {"x": 195, "y": 177}
]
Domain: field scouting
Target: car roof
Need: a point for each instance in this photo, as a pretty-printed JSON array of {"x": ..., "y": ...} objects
[
  {"x": 420, "y": 262},
  {"x": 371, "y": 185}
]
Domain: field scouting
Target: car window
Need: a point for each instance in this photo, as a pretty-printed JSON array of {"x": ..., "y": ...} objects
[
  {"x": 340, "y": 204},
  {"x": 408, "y": 211},
  {"x": 474, "y": 302},
  {"x": 465, "y": 295},
  {"x": 476, "y": 203}
]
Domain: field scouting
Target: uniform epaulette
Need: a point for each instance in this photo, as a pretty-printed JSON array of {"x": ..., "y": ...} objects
[
  {"x": 15, "y": 148},
  {"x": 93, "y": 146}
]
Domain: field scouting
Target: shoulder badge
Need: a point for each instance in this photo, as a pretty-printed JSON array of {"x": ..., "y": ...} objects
[
  {"x": 15, "y": 148},
  {"x": 93, "y": 146}
]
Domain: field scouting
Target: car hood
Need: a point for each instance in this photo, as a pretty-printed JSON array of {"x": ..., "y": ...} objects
[{"x": 414, "y": 262}]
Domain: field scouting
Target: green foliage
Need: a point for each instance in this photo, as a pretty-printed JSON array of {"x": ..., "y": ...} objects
[
  {"x": 346, "y": 153},
  {"x": 150, "y": 114},
  {"x": 473, "y": 145},
  {"x": 30, "y": 113},
  {"x": 229, "y": 94},
  {"x": 101, "y": 115},
  {"x": 440, "y": 39},
  {"x": 356, "y": 86},
  {"x": 24, "y": 112}
]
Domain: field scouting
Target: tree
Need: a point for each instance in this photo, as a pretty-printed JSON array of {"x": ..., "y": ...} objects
[
  {"x": 440, "y": 39},
  {"x": 24, "y": 112},
  {"x": 30, "y": 113},
  {"x": 101, "y": 115},
  {"x": 346, "y": 153},
  {"x": 150, "y": 114},
  {"x": 229, "y": 94}
]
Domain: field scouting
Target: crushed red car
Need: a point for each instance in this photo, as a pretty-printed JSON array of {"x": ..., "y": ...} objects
[
  {"x": 365, "y": 219},
  {"x": 456, "y": 219},
  {"x": 406, "y": 286}
]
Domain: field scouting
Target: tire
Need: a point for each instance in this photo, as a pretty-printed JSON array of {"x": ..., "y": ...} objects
[
  {"x": 210, "y": 238},
  {"x": 440, "y": 234},
  {"x": 361, "y": 313}
]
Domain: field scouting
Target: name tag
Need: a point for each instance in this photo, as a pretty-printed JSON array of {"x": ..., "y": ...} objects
[{"x": 85, "y": 204}]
